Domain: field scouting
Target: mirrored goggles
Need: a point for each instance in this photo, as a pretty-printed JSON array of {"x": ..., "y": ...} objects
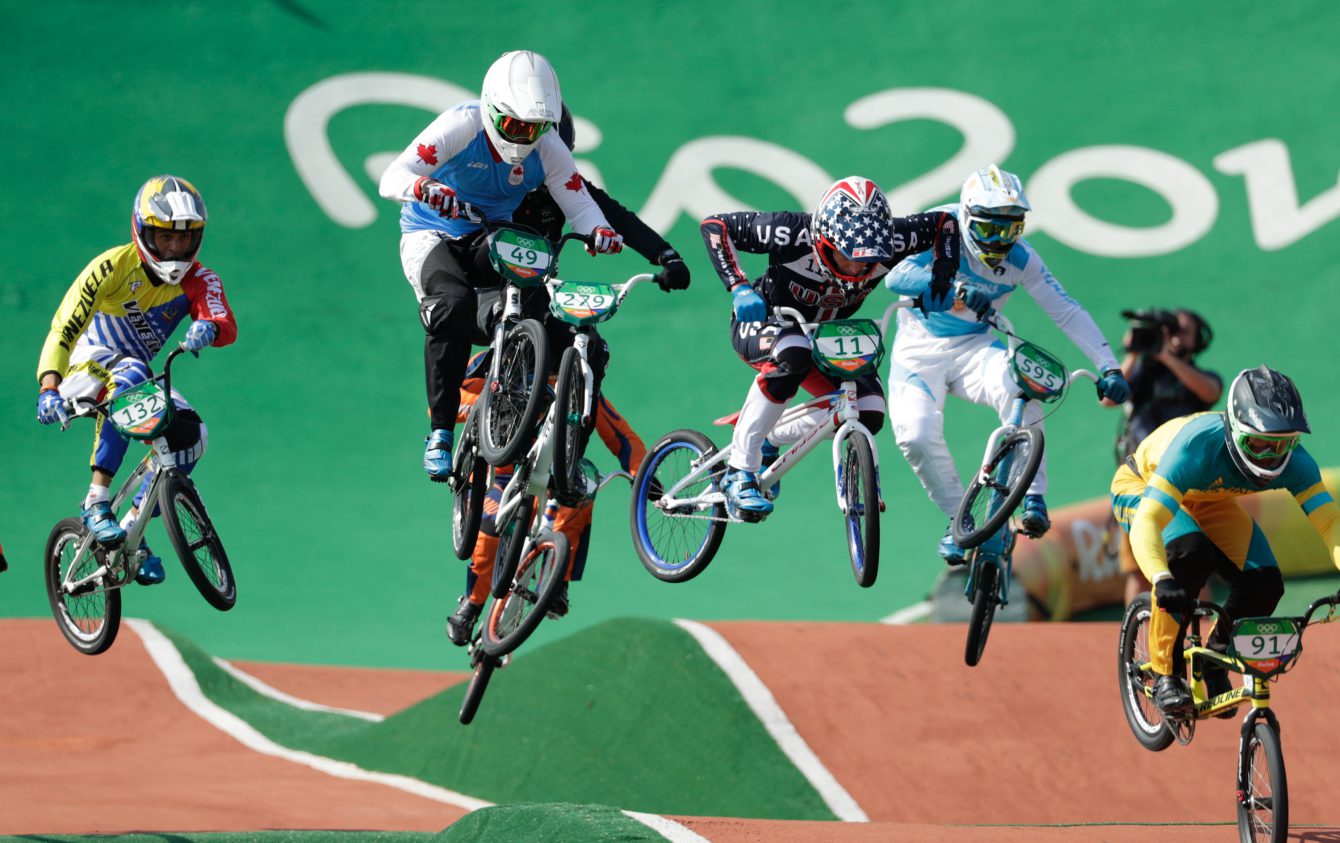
[
  {"x": 1003, "y": 231},
  {"x": 520, "y": 131},
  {"x": 1267, "y": 447}
]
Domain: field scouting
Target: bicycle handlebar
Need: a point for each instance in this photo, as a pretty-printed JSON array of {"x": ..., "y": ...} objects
[{"x": 79, "y": 406}]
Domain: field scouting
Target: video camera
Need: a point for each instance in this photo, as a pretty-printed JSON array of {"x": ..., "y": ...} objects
[{"x": 1147, "y": 328}]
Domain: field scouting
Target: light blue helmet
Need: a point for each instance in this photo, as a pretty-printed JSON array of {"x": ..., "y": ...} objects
[{"x": 991, "y": 213}]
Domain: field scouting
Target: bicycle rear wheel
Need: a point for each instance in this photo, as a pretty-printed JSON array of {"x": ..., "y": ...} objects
[
  {"x": 985, "y": 591},
  {"x": 513, "y": 540},
  {"x": 469, "y": 474},
  {"x": 1137, "y": 685},
  {"x": 988, "y": 504},
  {"x": 89, "y": 619},
  {"x": 570, "y": 434},
  {"x": 474, "y": 692},
  {"x": 860, "y": 495},
  {"x": 1263, "y": 795},
  {"x": 512, "y": 618},
  {"x": 197, "y": 543},
  {"x": 677, "y": 544},
  {"x": 511, "y": 404}
]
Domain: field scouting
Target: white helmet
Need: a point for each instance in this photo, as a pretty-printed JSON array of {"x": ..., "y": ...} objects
[
  {"x": 991, "y": 214},
  {"x": 167, "y": 203},
  {"x": 520, "y": 101}
]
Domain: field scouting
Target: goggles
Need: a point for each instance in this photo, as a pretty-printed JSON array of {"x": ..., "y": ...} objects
[
  {"x": 1267, "y": 447},
  {"x": 996, "y": 231},
  {"x": 520, "y": 131}
]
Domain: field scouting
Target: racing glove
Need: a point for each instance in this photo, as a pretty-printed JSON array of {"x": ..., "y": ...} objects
[
  {"x": 437, "y": 196},
  {"x": 51, "y": 407},
  {"x": 604, "y": 241},
  {"x": 201, "y": 333},
  {"x": 1112, "y": 386},
  {"x": 974, "y": 298},
  {"x": 675, "y": 273},
  {"x": 1170, "y": 596},
  {"x": 749, "y": 305}
]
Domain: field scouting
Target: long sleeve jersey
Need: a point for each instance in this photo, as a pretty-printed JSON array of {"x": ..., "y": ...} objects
[
  {"x": 455, "y": 150},
  {"x": 1187, "y": 459},
  {"x": 1023, "y": 267},
  {"x": 117, "y": 305},
  {"x": 793, "y": 277}
]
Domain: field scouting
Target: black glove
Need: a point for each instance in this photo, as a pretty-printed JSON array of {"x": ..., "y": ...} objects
[
  {"x": 943, "y": 272},
  {"x": 675, "y": 273},
  {"x": 1170, "y": 596}
]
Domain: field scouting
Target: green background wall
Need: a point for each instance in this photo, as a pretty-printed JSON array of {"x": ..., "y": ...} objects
[{"x": 316, "y": 419}]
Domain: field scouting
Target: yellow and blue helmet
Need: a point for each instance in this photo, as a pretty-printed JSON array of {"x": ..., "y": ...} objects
[{"x": 167, "y": 203}]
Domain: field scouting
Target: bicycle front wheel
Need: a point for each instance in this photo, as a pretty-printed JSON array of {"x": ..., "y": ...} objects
[
  {"x": 860, "y": 496},
  {"x": 985, "y": 592},
  {"x": 1263, "y": 795},
  {"x": 989, "y": 502},
  {"x": 510, "y": 406},
  {"x": 514, "y": 535},
  {"x": 197, "y": 543},
  {"x": 676, "y": 542},
  {"x": 89, "y": 618},
  {"x": 1136, "y": 684},
  {"x": 570, "y": 434},
  {"x": 474, "y": 692},
  {"x": 469, "y": 474},
  {"x": 512, "y": 618}
]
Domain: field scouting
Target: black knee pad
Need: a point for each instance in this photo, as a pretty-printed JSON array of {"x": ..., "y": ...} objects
[
  {"x": 1256, "y": 592},
  {"x": 873, "y": 420},
  {"x": 449, "y": 314},
  {"x": 787, "y": 371},
  {"x": 183, "y": 433}
]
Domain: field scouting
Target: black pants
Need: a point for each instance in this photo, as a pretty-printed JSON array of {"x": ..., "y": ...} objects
[{"x": 449, "y": 276}]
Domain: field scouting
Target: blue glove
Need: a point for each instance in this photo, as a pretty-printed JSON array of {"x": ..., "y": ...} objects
[
  {"x": 51, "y": 407},
  {"x": 1112, "y": 385},
  {"x": 749, "y": 305},
  {"x": 201, "y": 333},
  {"x": 974, "y": 298},
  {"x": 936, "y": 300}
]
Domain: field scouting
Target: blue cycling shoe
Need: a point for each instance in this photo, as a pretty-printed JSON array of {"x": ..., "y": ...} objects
[
  {"x": 151, "y": 569},
  {"x": 437, "y": 455},
  {"x": 950, "y": 552},
  {"x": 770, "y": 454},
  {"x": 1035, "y": 522},
  {"x": 743, "y": 499},
  {"x": 101, "y": 522}
]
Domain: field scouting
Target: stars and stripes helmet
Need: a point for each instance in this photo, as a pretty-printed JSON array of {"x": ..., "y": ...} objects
[
  {"x": 852, "y": 223},
  {"x": 520, "y": 102},
  {"x": 1265, "y": 419},
  {"x": 991, "y": 213},
  {"x": 167, "y": 203}
]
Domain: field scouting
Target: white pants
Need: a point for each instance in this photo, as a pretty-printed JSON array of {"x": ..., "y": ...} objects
[{"x": 923, "y": 371}]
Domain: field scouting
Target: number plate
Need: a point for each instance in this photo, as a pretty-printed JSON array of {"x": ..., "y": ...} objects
[
  {"x": 848, "y": 348},
  {"x": 584, "y": 304},
  {"x": 141, "y": 412},
  {"x": 1266, "y": 644},
  {"x": 1040, "y": 375},
  {"x": 520, "y": 258}
]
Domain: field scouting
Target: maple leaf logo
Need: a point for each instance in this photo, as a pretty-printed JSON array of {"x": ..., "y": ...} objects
[
  {"x": 428, "y": 153},
  {"x": 575, "y": 183}
]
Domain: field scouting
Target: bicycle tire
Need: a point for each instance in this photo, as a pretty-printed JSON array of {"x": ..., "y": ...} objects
[
  {"x": 190, "y": 531},
  {"x": 656, "y": 533},
  {"x": 513, "y": 540},
  {"x": 510, "y": 405},
  {"x": 976, "y": 520},
  {"x": 570, "y": 434},
  {"x": 1136, "y": 686},
  {"x": 474, "y": 692},
  {"x": 512, "y": 618},
  {"x": 985, "y": 593},
  {"x": 93, "y": 626},
  {"x": 1263, "y": 817},
  {"x": 860, "y": 493},
  {"x": 469, "y": 474}
]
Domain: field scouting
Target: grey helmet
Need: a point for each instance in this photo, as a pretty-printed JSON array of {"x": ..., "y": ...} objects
[{"x": 1263, "y": 422}]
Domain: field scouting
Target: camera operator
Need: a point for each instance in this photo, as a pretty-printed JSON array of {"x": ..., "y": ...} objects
[{"x": 1160, "y": 365}]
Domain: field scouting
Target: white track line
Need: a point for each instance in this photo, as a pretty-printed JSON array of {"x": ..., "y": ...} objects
[
  {"x": 667, "y": 828},
  {"x": 909, "y": 614},
  {"x": 770, "y": 714},
  {"x": 184, "y": 685},
  {"x": 267, "y": 690}
]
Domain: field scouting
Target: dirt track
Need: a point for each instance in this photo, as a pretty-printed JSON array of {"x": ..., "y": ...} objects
[{"x": 1033, "y": 735}]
